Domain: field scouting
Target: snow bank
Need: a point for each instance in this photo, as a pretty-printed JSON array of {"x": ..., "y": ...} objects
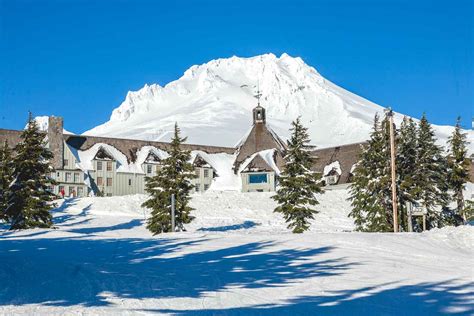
[
  {"x": 222, "y": 164},
  {"x": 237, "y": 258}
]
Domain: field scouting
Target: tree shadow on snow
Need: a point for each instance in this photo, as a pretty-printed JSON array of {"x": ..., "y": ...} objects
[
  {"x": 93, "y": 230},
  {"x": 421, "y": 299},
  {"x": 244, "y": 225},
  {"x": 70, "y": 219},
  {"x": 72, "y": 271}
]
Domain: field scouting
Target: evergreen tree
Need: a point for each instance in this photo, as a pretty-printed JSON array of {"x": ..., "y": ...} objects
[
  {"x": 430, "y": 173},
  {"x": 458, "y": 166},
  {"x": 370, "y": 190},
  {"x": 298, "y": 183},
  {"x": 29, "y": 197},
  {"x": 468, "y": 210},
  {"x": 6, "y": 171},
  {"x": 173, "y": 178},
  {"x": 406, "y": 167}
]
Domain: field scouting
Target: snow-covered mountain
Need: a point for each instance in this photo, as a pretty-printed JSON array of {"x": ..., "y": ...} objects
[{"x": 212, "y": 104}]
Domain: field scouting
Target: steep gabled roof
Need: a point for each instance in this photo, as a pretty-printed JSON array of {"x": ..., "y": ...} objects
[
  {"x": 261, "y": 137},
  {"x": 199, "y": 161},
  {"x": 346, "y": 156},
  {"x": 266, "y": 160}
]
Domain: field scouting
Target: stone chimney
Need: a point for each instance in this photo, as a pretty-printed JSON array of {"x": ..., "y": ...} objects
[{"x": 56, "y": 142}]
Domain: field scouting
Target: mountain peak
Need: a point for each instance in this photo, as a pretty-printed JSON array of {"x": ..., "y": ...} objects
[{"x": 212, "y": 103}]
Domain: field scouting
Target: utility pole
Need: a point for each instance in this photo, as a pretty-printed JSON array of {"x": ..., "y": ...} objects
[
  {"x": 392, "y": 158},
  {"x": 172, "y": 212}
]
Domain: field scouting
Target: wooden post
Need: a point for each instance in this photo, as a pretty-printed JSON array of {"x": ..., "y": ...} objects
[
  {"x": 172, "y": 212},
  {"x": 394, "y": 187},
  {"x": 410, "y": 223},
  {"x": 424, "y": 222}
]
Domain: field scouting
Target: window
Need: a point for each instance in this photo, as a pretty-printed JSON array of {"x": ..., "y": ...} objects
[
  {"x": 71, "y": 192},
  {"x": 68, "y": 177},
  {"x": 99, "y": 165},
  {"x": 80, "y": 191},
  {"x": 149, "y": 169},
  {"x": 65, "y": 162},
  {"x": 129, "y": 181},
  {"x": 206, "y": 173},
  {"x": 76, "y": 177},
  {"x": 109, "y": 194},
  {"x": 196, "y": 187},
  {"x": 197, "y": 171},
  {"x": 58, "y": 174},
  {"x": 109, "y": 182},
  {"x": 100, "y": 181},
  {"x": 332, "y": 179},
  {"x": 206, "y": 186},
  {"x": 109, "y": 165},
  {"x": 258, "y": 178}
]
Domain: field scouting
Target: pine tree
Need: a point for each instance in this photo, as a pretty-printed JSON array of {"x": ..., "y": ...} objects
[
  {"x": 173, "y": 178},
  {"x": 406, "y": 167},
  {"x": 370, "y": 190},
  {"x": 29, "y": 197},
  {"x": 468, "y": 210},
  {"x": 458, "y": 166},
  {"x": 6, "y": 171},
  {"x": 430, "y": 173},
  {"x": 298, "y": 183}
]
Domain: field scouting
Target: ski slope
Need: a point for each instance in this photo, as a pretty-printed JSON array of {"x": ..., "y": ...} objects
[{"x": 237, "y": 258}]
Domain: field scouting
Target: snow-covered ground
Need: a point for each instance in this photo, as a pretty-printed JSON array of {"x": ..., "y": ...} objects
[{"x": 237, "y": 258}]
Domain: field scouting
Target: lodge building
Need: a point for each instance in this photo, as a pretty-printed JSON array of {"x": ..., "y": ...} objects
[{"x": 91, "y": 165}]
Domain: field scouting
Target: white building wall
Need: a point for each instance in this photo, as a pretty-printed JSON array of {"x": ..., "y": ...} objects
[
  {"x": 205, "y": 176},
  {"x": 269, "y": 186},
  {"x": 70, "y": 178}
]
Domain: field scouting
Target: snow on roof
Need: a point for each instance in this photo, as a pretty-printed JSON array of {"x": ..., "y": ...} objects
[
  {"x": 142, "y": 154},
  {"x": 267, "y": 155},
  {"x": 332, "y": 166},
  {"x": 86, "y": 157},
  {"x": 222, "y": 164},
  {"x": 280, "y": 142},
  {"x": 354, "y": 166}
]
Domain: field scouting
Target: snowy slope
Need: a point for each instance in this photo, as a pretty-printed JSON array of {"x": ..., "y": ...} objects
[
  {"x": 213, "y": 102},
  {"x": 237, "y": 258}
]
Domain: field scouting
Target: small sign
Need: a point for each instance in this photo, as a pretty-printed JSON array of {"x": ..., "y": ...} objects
[{"x": 419, "y": 211}]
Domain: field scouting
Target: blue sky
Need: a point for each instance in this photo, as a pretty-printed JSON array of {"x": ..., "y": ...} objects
[{"x": 78, "y": 59}]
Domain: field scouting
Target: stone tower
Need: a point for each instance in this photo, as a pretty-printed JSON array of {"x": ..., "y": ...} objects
[
  {"x": 261, "y": 137},
  {"x": 55, "y": 140},
  {"x": 259, "y": 115}
]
